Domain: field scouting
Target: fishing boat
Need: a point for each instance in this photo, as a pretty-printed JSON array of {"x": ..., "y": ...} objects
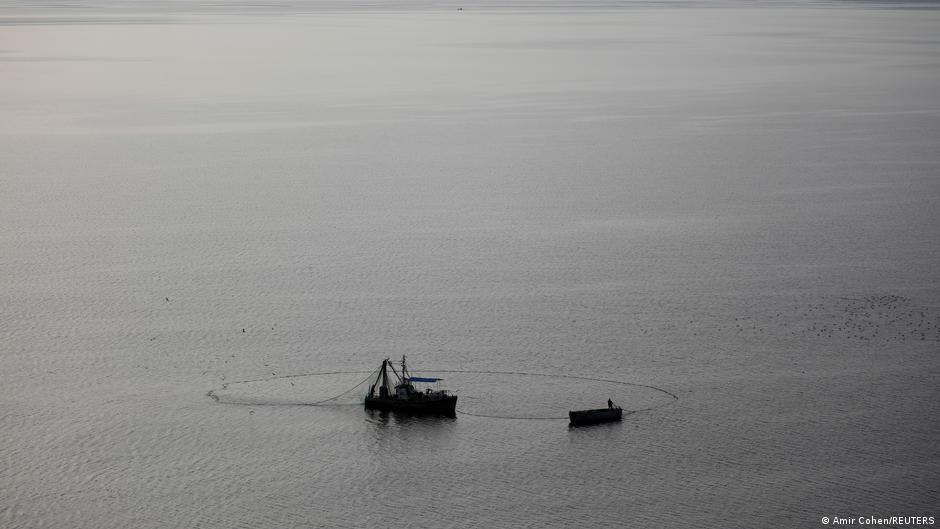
[
  {"x": 400, "y": 395},
  {"x": 608, "y": 414}
]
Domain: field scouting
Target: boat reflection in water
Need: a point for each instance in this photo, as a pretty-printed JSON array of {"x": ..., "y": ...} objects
[{"x": 399, "y": 394}]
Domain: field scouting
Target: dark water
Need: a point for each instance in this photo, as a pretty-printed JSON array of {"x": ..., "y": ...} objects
[{"x": 735, "y": 204}]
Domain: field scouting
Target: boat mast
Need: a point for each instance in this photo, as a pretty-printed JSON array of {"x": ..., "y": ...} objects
[
  {"x": 392, "y": 367},
  {"x": 380, "y": 377}
]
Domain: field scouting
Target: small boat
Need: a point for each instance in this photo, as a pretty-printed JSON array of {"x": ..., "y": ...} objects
[
  {"x": 608, "y": 414},
  {"x": 401, "y": 395}
]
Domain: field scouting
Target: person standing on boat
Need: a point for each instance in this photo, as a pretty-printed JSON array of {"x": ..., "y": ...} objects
[{"x": 610, "y": 403}]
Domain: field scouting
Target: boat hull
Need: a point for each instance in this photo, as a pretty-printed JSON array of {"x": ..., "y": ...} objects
[
  {"x": 583, "y": 417},
  {"x": 425, "y": 406}
]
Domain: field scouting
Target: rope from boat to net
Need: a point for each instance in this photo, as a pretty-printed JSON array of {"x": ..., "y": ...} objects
[
  {"x": 555, "y": 375},
  {"x": 528, "y": 418},
  {"x": 212, "y": 392},
  {"x": 361, "y": 382}
]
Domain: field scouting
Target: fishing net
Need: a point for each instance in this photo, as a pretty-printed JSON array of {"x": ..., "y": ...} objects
[{"x": 495, "y": 394}]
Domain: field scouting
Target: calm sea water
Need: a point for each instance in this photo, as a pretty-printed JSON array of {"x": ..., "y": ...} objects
[{"x": 735, "y": 204}]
